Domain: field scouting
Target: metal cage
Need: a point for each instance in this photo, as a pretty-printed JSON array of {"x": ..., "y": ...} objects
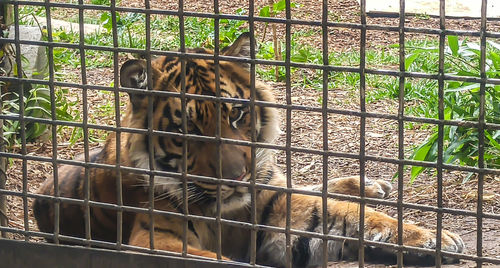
[{"x": 13, "y": 252}]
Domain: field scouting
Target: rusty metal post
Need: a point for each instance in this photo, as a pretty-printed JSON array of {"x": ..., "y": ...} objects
[{"x": 4, "y": 220}]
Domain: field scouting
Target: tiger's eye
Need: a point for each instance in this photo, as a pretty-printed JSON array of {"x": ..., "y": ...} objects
[{"x": 234, "y": 114}]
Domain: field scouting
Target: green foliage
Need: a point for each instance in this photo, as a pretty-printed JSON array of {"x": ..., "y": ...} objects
[
  {"x": 123, "y": 25},
  {"x": 101, "y": 2},
  {"x": 37, "y": 104},
  {"x": 277, "y": 8},
  {"x": 36, "y": 100},
  {"x": 462, "y": 103},
  {"x": 301, "y": 53}
]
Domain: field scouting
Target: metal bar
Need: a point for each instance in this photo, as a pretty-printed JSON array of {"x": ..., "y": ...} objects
[
  {"x": 288, "y": 132},
  {"x": 253, "y": 122},
  {"x": 259, "y": 145},
  {"x": 150, "y": 135},
  {"x": 481, "y": 141},
  {"x": 362, "y": 134},
  {"x": 258, "y": 19},
  {"x": 324, "y": 121},
  {"x": 185, "y": 97},
  {"x": 401, "y": 127},
  {"x": 116, "y": 94},
  {"x": 218, "y": 132},
  {"x": 54, "y": 126},
  {"x": 83, "y": 72},
  {"x": 231, "y": 59},
  {"x": 243, "y": 60},
  {"x": 266, "y": 228},
  {"x": 488, "y": 126},
  {"x": 22, "y": 123},
  {"x": 439, "y": 162},
  {"x": 185, "y": 193},
  {"x": 373, "y": 201}
]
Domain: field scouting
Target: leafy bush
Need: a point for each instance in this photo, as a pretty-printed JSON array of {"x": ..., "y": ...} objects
[
  {"x": 462, "y": 103},
  {"x": 36, "y": 104}
]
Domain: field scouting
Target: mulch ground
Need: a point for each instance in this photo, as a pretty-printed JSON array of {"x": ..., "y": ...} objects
[{"x": 306, "y": 127}]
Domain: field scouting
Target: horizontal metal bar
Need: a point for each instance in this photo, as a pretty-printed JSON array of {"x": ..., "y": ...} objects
[
  {"x": 257, "y": 19},
  {"x": 373, "y": 201},
  {"x": 491, "y": 126},
  {"x": 80, "y": 250}
]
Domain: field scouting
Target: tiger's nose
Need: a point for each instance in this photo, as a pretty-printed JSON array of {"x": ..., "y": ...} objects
[
  {"x": 235, "y": 175},
  {"x": 233, "y": 163},
  {"x": 233, "y": 169}
]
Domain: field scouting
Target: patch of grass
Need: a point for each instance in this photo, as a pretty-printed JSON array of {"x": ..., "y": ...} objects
[{"x": 462, "y": 102}]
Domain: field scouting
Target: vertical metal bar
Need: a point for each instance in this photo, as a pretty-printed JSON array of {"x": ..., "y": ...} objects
[
  {"x": 152, "y": 164},
  {"x": 481, "y": 128},
  {"x": 54, "y": 126},
  {"x": 185, "y": 194},
  {"x": 324, "y": 113},
  {"x": 22, "y": 123},
  {"x": 288, "y": 142},
  {"x": 116, "y": 92},
  {"x": 253, "y": 120},
  {"x": 439, "y": 161},
  {"x": 88, "y": 229},
  {"x": 218, "y": 133},
  {"x": 362, "y": 133},
  {"x": 401, "y": 127}
]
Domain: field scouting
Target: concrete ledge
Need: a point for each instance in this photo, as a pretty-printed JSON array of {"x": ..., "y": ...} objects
[
  {"x": 16, "y": 253},
  {"x": 456, "y": 8}
]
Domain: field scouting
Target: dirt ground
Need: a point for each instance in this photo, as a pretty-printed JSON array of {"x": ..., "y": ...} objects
[{"x": 306, "y": 129}]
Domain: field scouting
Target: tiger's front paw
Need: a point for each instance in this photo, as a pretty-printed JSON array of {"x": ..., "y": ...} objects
[
  {"x": 450, "y": 242},
  {"x": 383, "y": 230}
]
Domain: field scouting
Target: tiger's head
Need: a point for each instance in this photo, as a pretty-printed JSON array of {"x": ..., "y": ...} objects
[{"x": 201, "y": 115}]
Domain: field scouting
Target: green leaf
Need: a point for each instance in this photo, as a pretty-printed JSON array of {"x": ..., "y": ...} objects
[
  {"x": 492, "y": 140},
  {"x": 453, "y": 44},
  {"x": 464, "y": 88},
  {"x": 37, "y": 108},
  {"x": 422, "y": 154},
  {"x": 410, "y": 59},
  {"x": 495, "y": 58},
  {"x": 494, "y": 44},
  {"x": 264, "y": 12},
  {"x": 468, "y": 177},
  {"x": 449, "y": 153},
  {"x": 279, "y": 6}
]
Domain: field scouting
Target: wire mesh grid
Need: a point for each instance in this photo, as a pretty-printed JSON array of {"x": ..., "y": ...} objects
[{"x": 254, "y": 226}]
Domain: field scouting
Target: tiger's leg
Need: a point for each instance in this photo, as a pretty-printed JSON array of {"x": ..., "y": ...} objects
[
  {"x": 342, "y": 220},
  {"x": 168, "y": 233},
  {"x": 350, "y": 186}
]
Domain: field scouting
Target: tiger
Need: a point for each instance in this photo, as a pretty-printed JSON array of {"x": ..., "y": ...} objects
[{"x": 240, "y": 121}]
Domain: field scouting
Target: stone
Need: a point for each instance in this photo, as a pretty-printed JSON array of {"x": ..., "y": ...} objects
[
  {"x": 68, "y": 26},
  {"x": 34, "y": 58}
]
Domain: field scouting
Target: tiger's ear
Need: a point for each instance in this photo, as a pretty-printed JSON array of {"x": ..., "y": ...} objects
[
  {"x": 133, "y": 74},
  {"x": 240, "y": 47}
]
